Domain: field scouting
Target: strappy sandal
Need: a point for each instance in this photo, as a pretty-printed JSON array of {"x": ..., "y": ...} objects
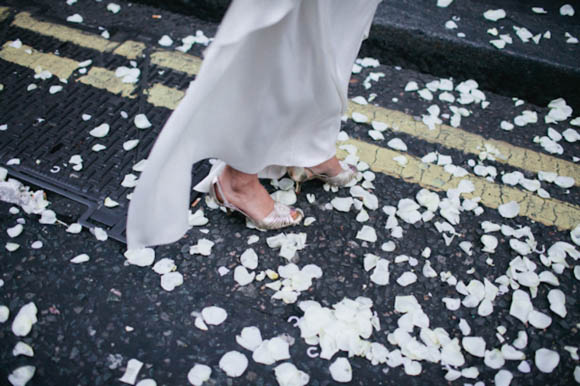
[
  {"x": 281, "y": 216},
  {"x": 301, "y": 175}
]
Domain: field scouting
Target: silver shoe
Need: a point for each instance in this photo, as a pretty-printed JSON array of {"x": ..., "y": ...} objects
[
  {"x": 300, "y": 175},
  {"x": 280, "y": 217}
]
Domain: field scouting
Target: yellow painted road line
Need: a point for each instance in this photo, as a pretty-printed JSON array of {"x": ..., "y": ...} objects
[
  {"x": 106, "y": 80},
  {"x": 130, "y": 49},
  {"x": 549, "y": 212},
  {"x": 467, "y": 142},
  {"x": 546, "y": 211},
  {"x": 4, "y": 12},
  {"x": 63, "y": 33},
  {"x": 163, "y": 96},
  {"x": 177, "y": 61},
  {"x": 29, "y": 57}
]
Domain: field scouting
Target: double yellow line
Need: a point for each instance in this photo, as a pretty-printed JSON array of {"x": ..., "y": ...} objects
[{"x": 547, "y": 211}]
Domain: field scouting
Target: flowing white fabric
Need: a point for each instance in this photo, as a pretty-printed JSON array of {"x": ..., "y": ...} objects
[{"x": 269, "y": 94}]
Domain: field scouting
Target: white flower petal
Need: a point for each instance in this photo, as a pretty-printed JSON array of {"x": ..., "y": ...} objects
[
  {"x": 130, "y": 144},
  {"x": 503, "y": 378},
  {"x": 233, "y": 363},
  {"x": 164, "y": 266},
  {"x": 474, "y": 345},
  {"x": 199, "y": 323},
  {"x": 249, "y": 259},
  {"x": 171, "y": 280},
  {"x": 359, "y": 118},
  {"x": 546, "y": 360},
  {"x": 564, "y": 182},
  {"x": 452, "y": 304},
  {"x": 381, "y": 273},
  {"x": 242, "y": 276},
  {"x": 250, "y": 338},
  {"x": 76, "y": 18},
  {"x": 24, "y": 320},
  {"x": 342, "y": 204},
  {"x": 494, "y": 359},
  {"x": 557, "y": 301},
  {"x": 539, "y": 319},
  {"x": 80, "y": 259},
  {"x": 15, "y": 231},
  {"x": 142, "y": 122},
  {"x": 397, "y": 144},
  {"x": 411, "y": 86},
  {"x": 340, "y": 370},
  {"x": 464, "y": 327},
  {"x": 214, "y": 315},
  {"x": 199, "y": 374},
  {"x": 4, "y": 314},
  {"x": 509, "y": 210},
  {"x": 288, "y": 375},
  {"x": 494, "y": 14},
  {"x": 21, "y": 375},
  {"x": 100, "y": 131},
  {"x": 141, "y": 257},
  {"x": 367, "y": 233},
  {"x": 22, "y": 348},
  {"x": 132, "y": 371},
  {"x": 406, "y": 279},
  {"x": 566, "y": 10},
  {"x": 203, "y": 247},
  {"x": 521, "y": 306}
]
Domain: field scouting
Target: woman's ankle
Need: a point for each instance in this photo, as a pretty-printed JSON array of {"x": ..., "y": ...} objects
[
  {"x": 238, "y": 181},
  {"x": 330, "y": 167}
]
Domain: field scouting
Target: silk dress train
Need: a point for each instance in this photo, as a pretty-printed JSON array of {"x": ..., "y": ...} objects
[{"x": 270, "y": 93}]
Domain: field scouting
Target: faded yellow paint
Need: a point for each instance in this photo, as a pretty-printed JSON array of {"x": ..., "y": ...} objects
[
  {"x": 28, "y": 57},
  {"x": 177, "y": 61},
  {"x": 63, "y": 33},
  {"x": 163, "y": 96},
  {"x": 549, "y": 212},
  {"x": 468, "y": 142},
  {"x": 130, "y": 49},
  {"x": 106, "y": 80},
  {"x": 4, "y": 12}
]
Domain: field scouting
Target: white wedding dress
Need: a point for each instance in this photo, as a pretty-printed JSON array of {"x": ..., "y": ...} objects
[{"x": 270, "y": 93}]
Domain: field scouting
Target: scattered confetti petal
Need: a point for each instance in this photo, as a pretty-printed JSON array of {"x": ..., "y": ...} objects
[
  {"x": 143, "y": 257},
  {"x": 546, "y": 360},
  {"x": 233, "y": 363},
  {"x": 24, "y": 320},
  {"x": 199, "y": 374},
  {"x": 83, "y": 258},
  {"x": 340, "y": 370},
  {"x": 21, "y": 375},
  {"x": 132, "y": 371}
]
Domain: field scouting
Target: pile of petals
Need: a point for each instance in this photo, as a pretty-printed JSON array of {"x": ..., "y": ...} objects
[
  {"x": 289, "y": 244},
  {"x": 294, "y": 280},
  {"x": 14, "y": 192},
  {"x": 344, "y": 327}
]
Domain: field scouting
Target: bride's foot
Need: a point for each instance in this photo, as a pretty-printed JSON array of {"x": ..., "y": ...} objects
[
  {"x": 244, "y": 193},
  {"x": 330, "y": 168},
  {"x": 330, "y": 172}
]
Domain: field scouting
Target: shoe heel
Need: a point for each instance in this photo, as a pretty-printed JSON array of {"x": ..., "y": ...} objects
[{"x": 298, "y": 187}]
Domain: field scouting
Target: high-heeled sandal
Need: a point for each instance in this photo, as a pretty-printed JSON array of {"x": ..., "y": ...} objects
[
  {"x": 279, "y": 217},
  {"x": 301, "y": 175}
]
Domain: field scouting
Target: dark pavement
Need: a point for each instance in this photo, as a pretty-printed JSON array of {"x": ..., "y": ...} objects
[{"x": 95, "y": 316}]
